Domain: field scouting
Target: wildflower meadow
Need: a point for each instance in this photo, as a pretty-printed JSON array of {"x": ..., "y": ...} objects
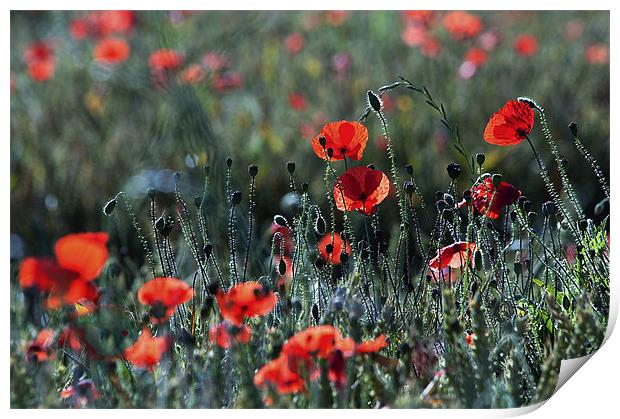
[{"x": 306, "y": 209}]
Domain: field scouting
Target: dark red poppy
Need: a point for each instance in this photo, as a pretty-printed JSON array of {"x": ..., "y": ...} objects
[
  {"x": 597, "y": 54},
  {"x": 344, "y": 138},
  {"x": 227, "y": 81},
  {"x": 297, "y": 101},
  {"x": 526, "y": 45},
  {"x": 40, "y": 349},
  {"x": 454, "y": 256},
  {"x": 294, "y": 43},
  {"x": 476, "y": 56},
  {"x": 336, "y": 371},
  {"x": 462, "y": 25},
  {"x": 336, "y": 243},
  {"x": 249, "y": 299},
  {"x": 490, "y": 200},
  {"x": 510, "y": 124},
  {"x": 40, "y": 61},
  {"x": 164, "y": 60},
  {"x": 111, "y": 51},
  {"x": 224, "y": 334},
  {"x": 278, "y": 374},
  {"x": 80, "y": 394},
  {"x": 79, "y": 260},
  {"x": 361, "y": 189},
  {"x": 164, "y": 295},
  {"x": 146, "y": 352}
]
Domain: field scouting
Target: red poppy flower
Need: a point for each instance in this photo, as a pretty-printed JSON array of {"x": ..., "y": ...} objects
[
  {"x": 278, "y": 374},
  {"x": 249, "y": 299},
  {"x": 431, "y": 47},
  {"x": 344, "y": 138},
  {"x": 510, "y": 124},
  {"x": 193, "y": 74},
  {"x": 215, "y": 62},
  {"x": 165, "y": 60},
  {"x": 362, "y": 189},
  {"x": 114, "y": 21},
  {"x": 111, "y": 51},
  {"x": 40, "y": 349},
  {"x": 462, "y": 25},
  {"x": 336, "y": 241},
  {"x": 336, "y": 371},
  {"x": 224, "y": 334},
  {"x": 454, "y": 256},
  {"x": 40, "y": 61},
  {"x": 79, "y": 260},
  {"x": 597, "y": 54},
  {"x": 227, "y": 81},
  {"x": 336, "y": 17},
  {"x": 297, "y": 101},
  {"x": 526, "y": 45},
  {"x": 146, "y": 352},
  {"x": 490, "y": 200},
  {"x": 79, "y": 28},
  {"x": 470, "y": 339},
  {"x": 166, "y": 294},
  {"x": 294, "y": 43},
  {"x": 476, "y": 56},
  {"x": 371, "y": 346},
  {"x": 81, "y": 393},
  {"x": 316, "y": 341},
  {"x": 417, "y": 16}
]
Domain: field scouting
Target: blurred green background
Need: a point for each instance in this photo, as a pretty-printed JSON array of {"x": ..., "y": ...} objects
[{"x": 262, "y": 86}]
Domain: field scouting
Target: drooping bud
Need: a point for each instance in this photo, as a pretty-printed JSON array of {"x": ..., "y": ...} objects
[
  {"x": 374, "y": 101},
  {"x": 319, "y": 226},
  {"x": 109, "y": 206},
  {"x": 279, "y": 220},
  {"x": 454, "y": 170},
  {"x": 281, "y": 267}
]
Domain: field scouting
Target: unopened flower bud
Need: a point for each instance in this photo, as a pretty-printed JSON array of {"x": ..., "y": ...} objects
[
  {"x": 454, "y": 170},
  {"x": 253, "y": 170},
  {"x": 480, "y": 158},
  {"x": 290, "y": 166},
  {"x": 236, "y": 198},
  {"x": 573, "y": 128},
  {"x": 374, "y": 101}
]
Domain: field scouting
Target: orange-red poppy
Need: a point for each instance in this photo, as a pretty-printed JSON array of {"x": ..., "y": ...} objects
[
  {"x": 344, "y": 138},
  {"x": 490, "y": 200},
  {"x": 335, "y": 242},
  {"x": 146, "y": 352},
  {"x": 361, "y": 189},
  {"x": 278, "y": 374},
  {"x": 317, "y": 341},
  {"x": 248, "y": 299},
  {"x": 79, "y": 260},
  {"x": 165, "y": 60},
  {"x": 476, "y": 56},
  {"x": 164, "y": 294},
  {"x": 294, "y": 43},
  {"x": 454, "y": 256},
  {"x": 224, "y": 334},
  {"x": 371, "y": 346},
  {"x": 111, "y": 51},
  {"x": 40, "y": 61},
  {"x": 193, "y": 74},
  {"x": 526, "y": 45},
  {"x": 462, "y": 25},
  {"x": 113, "y": 21},
  {"x": 40, "y": 349},
  {"x": 510, "y": 124}
]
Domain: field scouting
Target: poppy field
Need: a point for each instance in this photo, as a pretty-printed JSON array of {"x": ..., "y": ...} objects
[{"x": 321, "y": 209}]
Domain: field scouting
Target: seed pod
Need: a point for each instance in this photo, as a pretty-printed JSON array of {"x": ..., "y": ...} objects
[
  {"x": 330, "y": 152},
  {"x": 253, "y": 170},
  {"x": 315, "y": 313},
  {"x": 150, "y": 192},
  {"x": 109, "y": 206},
  {"x": 480, "y": 158},
  {"x": 229, "y": 162},
  {"x": 496, "y": 179},
  {"x": 573, "y": 128},
  {"x": 236, "y": 198},
  {"x": 281, "y": 267},
  {"x": 409, "y": 169},
  {"x": 290, "y": 166},
  {"x": 374, "y": 101},
  {"x": 478, "y": 260},
  {"x": 197, "y": 201},
  {"x": 322, "y": 141},
  {"x": 454, "y": 170}
]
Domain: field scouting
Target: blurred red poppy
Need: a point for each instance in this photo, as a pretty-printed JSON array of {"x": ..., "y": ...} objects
[
  {"x": 40, "y": 349},
  {"x": 336, "y": 17},
  {"x": 114, "y": 21},
  {"x": 164, "y": 295},
  {"x": 344, "y": 138},
  {"x": 165, "y": 60},
  {"x": 227, "y": 81},
  {"x": 476, "y": 56},
  {"x": 317, "y": 341},
  {"x": 297, "y": 101},
  {"x": 371, "y": 346},
  {"x": 248, "y": 299},
  {"x": 361, "y": 189},
  {"x": 526, "y": 45},
  {"x": 417, "y": 16},
  {"x": 335, "y": 241},
  {"x": 294, "y": 43},
  {"x": 454, "y": 256},
  {"x": 278, "y": 374},
  {"x": 81, "y": 393},
  {"x": 193, "y": 74},
  {"x": 79, "y": 260},
  {"x": 111, "y": 51},
  {"x": 462, "y": 25},
  {"x": 79, "y": 28},
  {"x": 224, "y": 334},
  {"x": 510, "y": 124},
  {"x": 146, "y": 352},
  {"x": 597, "y": 54},
  {"x": 431, "y": 47},
  {"x": 490, "y": 200},
  {"x": 40, "y": 61}
]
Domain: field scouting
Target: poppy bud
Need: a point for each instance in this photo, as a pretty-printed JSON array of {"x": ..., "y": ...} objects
[
  {"x": 449, "y": 199},
  {"x": 160, "y": 223},
  {"x": 480, "y": 158},
  {"x": 408, "y": 187},
  {"x": 281, "y": 267},
  {"x": 290, "y": 166},
  {"x": 279, "y": 220},
  {"x": 236, "y": 198},
  {"x": 518, "y": 267},
  {"x": 207, "y": 249},
  {"x": 467, "y": 196},
  {"x": 513, "y": 216},
  {"x": 573, "y": 128},
  {"x": 296, "y": 304},
  {"x": 356, "y": 310},
  {"x": 329, "y": 248},
  {"x": 108, "y": 208},
  {"x": 177, "y": 177},
  {"x": 374, "y": 101},
  {"x": 330, "y": 152},
  {"x": 531, "y": 216},
  {"x": 319, "y": 263},
  {"x": 409, "y": 169},
  {"x": 530, "y": 102},
  {"x": 322, "y": 141},
  {"x": 496, "y": 179},
  {"x": 315, "y": 313},
  {"x": 344, "y": 258},
  {"x": 338, "y": 303},
  {"x": 548, "y": 208},
  {"x": 213, "y": 287},
  {"x": 447, "y": 215},
  {"x": 371, "y": 166},
  {"x": 150, "y": 192},
  {"x": 319, "y": 226},
  {"x": 197, "y": 201},
  {"x": 566, "y": 303},
  {"x": 229, "y": 162},
  {"x": 583, "y": 225},
  {"x": 454, "y": 170},
  {"x": 441, "y": 205},
  {"x": 167, "y": 229},
  {"x": 304, "y": 187},
  {"x": 253, "y": 170},
  {"x": 527, "y": 205},
  {"x": 478, "y": 260}
]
